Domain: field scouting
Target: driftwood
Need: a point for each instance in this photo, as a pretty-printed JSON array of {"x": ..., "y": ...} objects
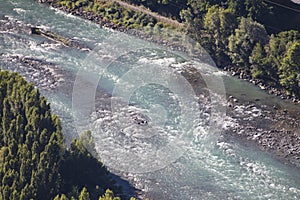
[{"x": 57, "y": 38}]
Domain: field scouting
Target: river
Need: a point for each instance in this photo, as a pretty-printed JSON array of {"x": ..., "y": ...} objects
[{"x": 169, "y": 138}]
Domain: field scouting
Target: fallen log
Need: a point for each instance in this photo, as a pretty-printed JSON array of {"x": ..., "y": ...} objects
[{"x": 57, "y": 38}]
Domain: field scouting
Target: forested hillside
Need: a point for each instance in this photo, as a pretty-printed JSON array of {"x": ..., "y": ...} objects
[
  {"x": 34, "y": 162},
  {"x": 272, "y": 13},
  {"x": 236, "y": 33}
]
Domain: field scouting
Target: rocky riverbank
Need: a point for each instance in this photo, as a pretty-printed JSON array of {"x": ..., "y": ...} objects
[
  {"x": 42, "y": 74},
  {"x": 84, "y": 14},
  {"x": 273, "y": 130}
]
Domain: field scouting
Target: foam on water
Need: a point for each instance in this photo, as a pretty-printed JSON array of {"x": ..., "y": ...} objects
[{"x": 19, "y": 10}]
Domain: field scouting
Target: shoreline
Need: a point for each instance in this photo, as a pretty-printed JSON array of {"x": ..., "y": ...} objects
[
  {"x": 233, "y": 70},
  {"x": 239, "y": 73},
  {"x": 269, "y": 141}
]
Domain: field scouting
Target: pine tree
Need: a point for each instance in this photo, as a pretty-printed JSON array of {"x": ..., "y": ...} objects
[
  {"x": 30, "y": 166},
  {"x": 290, "y": 69},
  {"x": 84, "y": 194}
]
